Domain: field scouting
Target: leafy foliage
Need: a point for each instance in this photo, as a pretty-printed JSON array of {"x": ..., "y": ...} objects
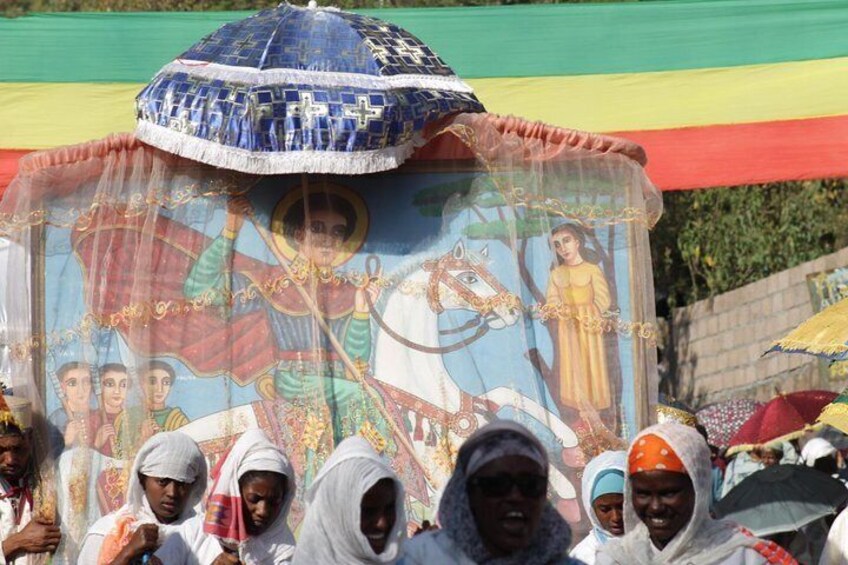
[{"x": 711, "y": 241}]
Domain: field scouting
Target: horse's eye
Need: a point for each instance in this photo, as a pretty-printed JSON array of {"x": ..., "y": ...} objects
[{"x": 467, "y": 278}]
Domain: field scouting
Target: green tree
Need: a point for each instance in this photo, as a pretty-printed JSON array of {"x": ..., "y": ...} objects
[{"x": 714, "y": 240}]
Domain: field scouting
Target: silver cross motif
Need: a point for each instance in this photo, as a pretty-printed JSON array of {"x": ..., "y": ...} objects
[
  {"x": 362, "y": 111},
  {"x": 307, "y": 110},
  {"x": 378, "y": 51},
  {"x": 403, "y": 49}
]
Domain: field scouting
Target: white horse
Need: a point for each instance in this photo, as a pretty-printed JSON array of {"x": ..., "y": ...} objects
[{"x": 408, "y": 358}]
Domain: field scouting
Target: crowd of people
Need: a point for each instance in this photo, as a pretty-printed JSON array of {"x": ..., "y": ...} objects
[{"x": 650, "y": 504}]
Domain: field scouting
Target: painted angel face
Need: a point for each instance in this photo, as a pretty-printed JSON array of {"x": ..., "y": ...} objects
[
  {"x": 157, "y": 385},
  {"x": 114, "y": 385},
  {"x": 76, "y": 384}
]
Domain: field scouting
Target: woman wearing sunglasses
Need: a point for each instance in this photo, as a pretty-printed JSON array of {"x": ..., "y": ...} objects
[{"x": 495, "y": 508}]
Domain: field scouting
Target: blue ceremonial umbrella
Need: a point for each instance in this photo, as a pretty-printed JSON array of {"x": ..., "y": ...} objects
[{"x": 294, "y": 90}]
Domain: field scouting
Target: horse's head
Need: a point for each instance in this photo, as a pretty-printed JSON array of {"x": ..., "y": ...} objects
[{"x": 460, "y": 281}]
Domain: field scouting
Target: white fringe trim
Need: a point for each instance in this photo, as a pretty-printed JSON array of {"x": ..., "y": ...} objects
[
  {"x": 259, "y": 77},
  {"x": 242, "y": 160}
]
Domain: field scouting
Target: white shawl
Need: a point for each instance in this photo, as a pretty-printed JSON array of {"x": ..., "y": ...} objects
[
  {"x": 331, "y": 531},
  {"x": 703, "y": 540},
  {"x": 170, "y": 455},
  {"x": 254, "y": 452}
]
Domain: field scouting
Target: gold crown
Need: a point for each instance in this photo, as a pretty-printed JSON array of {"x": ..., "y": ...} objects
[{"x": 17, "y": 411}]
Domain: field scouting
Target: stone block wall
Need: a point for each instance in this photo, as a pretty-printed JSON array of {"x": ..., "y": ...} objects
[{"x": 715, "y": 346}]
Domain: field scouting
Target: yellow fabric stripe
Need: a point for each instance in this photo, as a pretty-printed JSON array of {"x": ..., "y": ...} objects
[
  {"x": 665, "y": 100},
  {"x": 44, "y": 115},
  {"x": 40, "y": 115}
]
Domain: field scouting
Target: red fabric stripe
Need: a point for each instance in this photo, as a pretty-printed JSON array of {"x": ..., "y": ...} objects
[
  {"x": 702, "y": 157},
  {"x": 9, "y": 166}
]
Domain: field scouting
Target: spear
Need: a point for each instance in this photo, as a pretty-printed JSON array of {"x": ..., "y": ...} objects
[{"x": 268, "y": 238}]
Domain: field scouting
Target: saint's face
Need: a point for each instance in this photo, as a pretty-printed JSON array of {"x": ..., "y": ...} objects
[
  {"x": 157, "y": 384},
  {"x": 76, "y": 384},
  {"x": 322, "y": 237},
  {"x": 567, "y": 247},
  {"x": 114, "y": 385}
]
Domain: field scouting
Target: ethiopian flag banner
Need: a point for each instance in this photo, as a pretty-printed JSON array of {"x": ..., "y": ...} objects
[{"x": 719, "y": 92}]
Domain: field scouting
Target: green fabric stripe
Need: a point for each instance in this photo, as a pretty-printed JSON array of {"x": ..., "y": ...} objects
[{"x": 503, "y": 41}]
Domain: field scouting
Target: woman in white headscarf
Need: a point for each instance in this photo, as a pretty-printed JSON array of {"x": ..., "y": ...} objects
[
  {"x": 246, "y": 514},
  {"x": 603, "y": 497},
  {"x": 666, "y": 508},
  {"x": 166, "y": 483},
  {"x": 356, "y": 510},
  {"x": 822, "y": 455},
  {"x": 494, "y": 509}
]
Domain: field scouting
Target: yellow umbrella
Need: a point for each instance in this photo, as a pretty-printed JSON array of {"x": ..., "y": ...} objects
[{"x": 824, "y": 335}]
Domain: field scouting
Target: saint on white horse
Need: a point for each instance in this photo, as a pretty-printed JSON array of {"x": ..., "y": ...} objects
[{"x": 409, "y": 364}]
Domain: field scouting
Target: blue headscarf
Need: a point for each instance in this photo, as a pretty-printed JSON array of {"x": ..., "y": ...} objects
[{"x": 603, "y": 475}]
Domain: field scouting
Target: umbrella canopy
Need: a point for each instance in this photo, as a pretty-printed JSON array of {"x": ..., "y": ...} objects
[
  {"x": 782, "y": 498},
  {"x": 783, "y": 417},
  {"x": 824, "y": 335},
  {"x": 836, "y": 413},
  {"x": 292, "y": 90},
  {"x": 723, "y": 419}
]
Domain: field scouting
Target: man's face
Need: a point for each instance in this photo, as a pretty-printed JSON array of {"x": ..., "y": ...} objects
[
  {"x": 76, "y": 384},
  {"x": 322, "y": 237},
  {"x": 157, "y": 385},
  {"x": 14, "y": 457},
  {"x": 114, "y": 391},
  {"x": 770, "y": 457}
]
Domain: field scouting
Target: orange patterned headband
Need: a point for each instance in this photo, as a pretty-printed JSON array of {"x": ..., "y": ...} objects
[{"x": 652, "y": 453}]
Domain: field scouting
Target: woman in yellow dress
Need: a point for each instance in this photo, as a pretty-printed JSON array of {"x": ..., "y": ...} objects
[{"x": 577, "y": 295}]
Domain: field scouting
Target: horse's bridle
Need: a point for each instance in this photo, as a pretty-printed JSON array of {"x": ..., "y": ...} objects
[{"x": 439, "y": 270}]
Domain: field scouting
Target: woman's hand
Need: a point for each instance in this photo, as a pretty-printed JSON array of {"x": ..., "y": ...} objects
[{"x": 144, "y": 540}]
